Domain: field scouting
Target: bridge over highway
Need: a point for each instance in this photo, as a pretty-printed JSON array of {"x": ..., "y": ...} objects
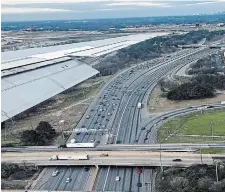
[{"x": 115, "y": 158}]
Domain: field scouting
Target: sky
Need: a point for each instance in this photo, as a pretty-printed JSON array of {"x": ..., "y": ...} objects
[{"x": 28, "y": 10}]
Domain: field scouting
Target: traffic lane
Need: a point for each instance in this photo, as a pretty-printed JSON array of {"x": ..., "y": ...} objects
[
  {"x": 127, "y": 179},
  {"x": 52, "y": 181},
  {"x": 62, "y": 185},
  {"x": 100, "y": 179},
  {"x": 74, "y": 175},
  {"x": 45, "y": 178},
  {"x": 79, "y": 179}
]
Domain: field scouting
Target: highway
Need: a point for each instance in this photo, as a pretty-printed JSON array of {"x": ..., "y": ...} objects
[
  {"x": 113, "y": 117},
  {"x": 115, "y": 109},
  {"x": 123, "y": 147}
]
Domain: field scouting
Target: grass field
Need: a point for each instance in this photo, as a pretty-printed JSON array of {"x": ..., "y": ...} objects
[
  {"x": 212, "y": 151},
  {"x": 177, "y": 129}
]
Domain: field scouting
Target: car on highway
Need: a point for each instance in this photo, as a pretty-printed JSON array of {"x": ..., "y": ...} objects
[
  {"x": 139, "y": 184},
  {"x": 104, "y": 155},
  {"x": 117, "y": 178},
  {"x": 88, "y": 117},
  {"x": 86, "y": 169},
  {"x": 143, "y": 128},
  {"x": 177, "y": 160},
  {"x": 55, "y": 173},
  {"x": 139, "y": 171},
  {"x": 93, "y": 139},
  {"x": 68, "y": 179}
]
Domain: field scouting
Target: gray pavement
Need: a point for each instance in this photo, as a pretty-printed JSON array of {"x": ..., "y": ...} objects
[{"x": 115, "y": 111}]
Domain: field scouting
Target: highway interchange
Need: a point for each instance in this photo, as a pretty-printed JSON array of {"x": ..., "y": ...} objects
[{"x": 113, "y": 118}]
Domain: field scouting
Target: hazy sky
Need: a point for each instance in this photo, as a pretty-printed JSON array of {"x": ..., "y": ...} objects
[{"x": 25, "y": 10}]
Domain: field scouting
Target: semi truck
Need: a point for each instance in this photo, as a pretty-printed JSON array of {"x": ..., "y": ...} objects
[{"x": 63, "y": 157}]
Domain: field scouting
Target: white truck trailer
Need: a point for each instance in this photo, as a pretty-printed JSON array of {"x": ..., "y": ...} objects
[
  {"x": 65, "y": 157},
  {"x": 139, "y": 105}
]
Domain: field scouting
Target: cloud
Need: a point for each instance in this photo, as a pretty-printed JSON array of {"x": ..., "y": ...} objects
[
  {"x": 12, "y": 10},
  {"x": 16, "y": 2},
  {"x": 146, "y": 2},
  {"x": 138, "y": 3}
]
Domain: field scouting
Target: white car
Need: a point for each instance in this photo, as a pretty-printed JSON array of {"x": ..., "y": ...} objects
[
  {"x": 117, "y": 178},
  {"x": 55, "y": 173},
  {"x": 92, "y": 140},
  {"x": 68, "y": 179}
]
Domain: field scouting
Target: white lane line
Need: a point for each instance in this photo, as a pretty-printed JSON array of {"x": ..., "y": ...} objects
[{"x": 106, "y": 179}]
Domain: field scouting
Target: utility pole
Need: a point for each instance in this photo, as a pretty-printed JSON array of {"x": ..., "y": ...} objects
[{"x": 161, "y": 162}]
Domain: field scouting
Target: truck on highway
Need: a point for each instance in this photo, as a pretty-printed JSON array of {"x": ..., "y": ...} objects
[
  {"x": 139, "y": 105},
  {"x": 63, "y": 157},
  {"x": 222, "y": 102},
  {"x": 80, "y": 145}
]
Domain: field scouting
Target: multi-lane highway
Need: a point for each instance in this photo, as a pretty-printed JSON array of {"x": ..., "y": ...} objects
[
  {"x": 113, "y": 117},
  {"x": 172, "y": 147}
]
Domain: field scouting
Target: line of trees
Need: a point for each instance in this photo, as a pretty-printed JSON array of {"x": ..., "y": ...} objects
[
  {"x": 208, "y": 65},
  {"x": 40, "y": 136},
  {"x": 196, "y": 178},
  {"x": 201, "y": 86},
  {"x": 150, "y": 49}
]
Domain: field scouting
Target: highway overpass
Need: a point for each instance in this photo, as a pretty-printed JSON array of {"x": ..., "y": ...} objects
[{"x": 116, "y": 158}]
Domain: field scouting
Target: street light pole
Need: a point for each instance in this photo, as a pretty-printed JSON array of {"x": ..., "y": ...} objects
[
  {"x": 161, "y": 160},
  {"x": 201, "y": 153},
  {"x": 212, "y": 130},
  {"x": 217, "y": 178}
]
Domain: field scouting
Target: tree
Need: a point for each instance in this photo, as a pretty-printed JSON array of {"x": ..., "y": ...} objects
[
  {"x": 45, "y": 130},
  {"x": 29, "y": 137},
  {"x": 205, "y": 183},
  {"x": 179, "y": 184},
  {"x": 8, "y": 169},
  {"x": 40, "y": 136}
]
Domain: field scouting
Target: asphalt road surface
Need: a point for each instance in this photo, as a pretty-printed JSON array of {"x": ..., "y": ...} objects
[{"x": 114, "y": 118}]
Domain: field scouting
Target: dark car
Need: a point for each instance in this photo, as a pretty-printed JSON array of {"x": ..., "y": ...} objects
[
  {"x": 86, "y": 169},
  {"x": 177, "y": 160},
  {"x": 143, "y": 128},
  {"x": 139, "y": 184}
]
